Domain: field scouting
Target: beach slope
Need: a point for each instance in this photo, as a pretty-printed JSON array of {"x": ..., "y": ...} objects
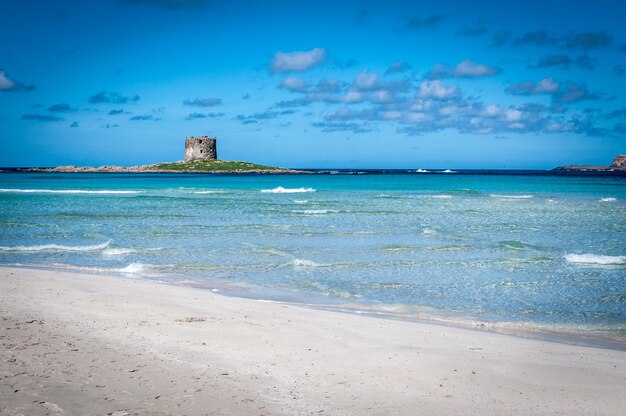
[{"x": 90, "y": 344}]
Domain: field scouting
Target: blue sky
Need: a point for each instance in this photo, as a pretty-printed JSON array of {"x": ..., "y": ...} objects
[{"x": 447, "y": 84}]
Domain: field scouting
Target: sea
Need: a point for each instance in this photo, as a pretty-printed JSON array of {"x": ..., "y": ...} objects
[{"x": 529, "y": 251}]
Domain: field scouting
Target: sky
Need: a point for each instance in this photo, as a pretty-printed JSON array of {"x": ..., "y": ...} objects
[{"x": 314, "y": 84}]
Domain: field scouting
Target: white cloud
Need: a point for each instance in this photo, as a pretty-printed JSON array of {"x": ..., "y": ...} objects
[
  {"x": 382, "y": 96},
  {"x": 353, "y": 97},
  {"x": 366, "y": 81},
  {"x": 513, "y": 115},
  {"x": 294, "y": 84},
  {"x": 437, "y": 90},
  {"x": 492, "y": 110},
  {"x": 545, "y": 86},
  {"x": 560, "y": 127},
  {"x": 5, "y": 83},
  {"x": 297, "y": 61},
  {"x": 465, "y": 69}
]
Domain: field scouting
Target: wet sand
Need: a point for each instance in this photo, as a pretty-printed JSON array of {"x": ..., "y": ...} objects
[{"x": 88, "y": 344}]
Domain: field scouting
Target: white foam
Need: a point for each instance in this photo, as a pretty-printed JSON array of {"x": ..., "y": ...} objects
[
  {"x": 511, "y": 196},
  {"x": 281, "y": 190},
  {"x": 607, "y": 199},
  {"x": 315, "y": 211},
  {"x": 441, "y": 196},
  {"x": 55, "y": 247},
  {"x": 208, "y": 192},
  {"x": 304, "y": 263},
  {"x": 595, "y": 259},
  {"x": 300, "y": 201},
  {"x": 132, "y": 268},
  {"x": 113, "y": 252},
  {"x": 422, "y": 171},
  {"x": 448, "y": 171},
  {"x": 69, "y": 191},
  {"x": 428, "y": 231}
]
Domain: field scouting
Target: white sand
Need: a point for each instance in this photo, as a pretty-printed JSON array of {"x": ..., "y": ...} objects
[{"x": 83, "y": 344}]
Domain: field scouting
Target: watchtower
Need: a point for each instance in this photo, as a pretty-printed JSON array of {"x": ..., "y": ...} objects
[{"x": 200, "y": 148}]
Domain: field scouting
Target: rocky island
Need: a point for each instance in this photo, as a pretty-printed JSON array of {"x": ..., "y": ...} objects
[
  {"x": 200, "y": 157},
  {"x": 619, "y": 164}
]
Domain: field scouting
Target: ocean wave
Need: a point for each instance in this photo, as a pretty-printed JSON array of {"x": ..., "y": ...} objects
[
  {"x": 114, "y": 252},
  {"x": 511, "y": 196},
  {"x": 300, "y": 201},
  {"x": 55, "y": 247},
  {"x": 595, "y": 259},
  {"x": 70, "y": 191},
  {"x": 132, "y": 268},
  {"x": 464, "y": 191},
  {"x": 515, "y": 245},
  {"x": 440, "y": 196},
  {"x": 398, "y": 247},
  {"x": 448, "y": 171},
  {"x": 302, "y": 263},
  {"x": 281, "y": 190},
  {"x": 607, "y": 199},
  {"x": 315, "y": 211},
  {"x": 208, "y": 192},
  {"x": 422, "y": 171}
]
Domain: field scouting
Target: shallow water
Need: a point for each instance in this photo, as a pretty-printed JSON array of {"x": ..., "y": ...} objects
[{"x": 543, "y": 251}]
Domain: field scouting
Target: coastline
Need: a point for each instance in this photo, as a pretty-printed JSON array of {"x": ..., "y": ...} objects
[
  {"x": 225, "y": 355},
  {"x": 594, "y": 338}
]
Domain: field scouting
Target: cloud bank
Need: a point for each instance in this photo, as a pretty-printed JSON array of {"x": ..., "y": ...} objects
[{"x": 297, "y": 61}]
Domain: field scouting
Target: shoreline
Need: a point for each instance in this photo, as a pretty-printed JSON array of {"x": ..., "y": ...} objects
[
  {"x": 228, "y": 355},
  {"x": 600, "y": 338}
]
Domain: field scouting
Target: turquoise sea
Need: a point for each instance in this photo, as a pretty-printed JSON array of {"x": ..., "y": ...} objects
[{"x": 520, "y": 250}]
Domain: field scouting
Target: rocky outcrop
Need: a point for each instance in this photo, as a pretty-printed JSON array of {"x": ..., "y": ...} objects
[{"x": 619, "y": 164}]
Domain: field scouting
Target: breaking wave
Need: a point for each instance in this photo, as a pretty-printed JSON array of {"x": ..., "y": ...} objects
[
  {"x": 511, "y": 196},
  {"x": 113, "y": 252},
  {"x": 70, "y": 191},
  {"x": 607, "y": 199},
  {"x": 315, "y": 211},
  {"x": 208, "y": 192},
  {"x": 298, "y": 263},
  {"x": 132, "y": 268},
  {"x": 55, "y": 247},
  {"x": 281, "y": 190},
  {"x": 595, "y": 259}
]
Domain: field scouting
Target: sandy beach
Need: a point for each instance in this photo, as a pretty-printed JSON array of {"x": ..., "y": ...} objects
[{"x": 80, "y": 344}]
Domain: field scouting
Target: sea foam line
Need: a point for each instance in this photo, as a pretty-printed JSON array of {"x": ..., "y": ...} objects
[
  {"x": 315, "y": 211},
  {"x": 281, "y": 190},
  {"x": 595, "y": 259},
  {"x": 511, "y": 196},
  {"x": 56, "y": 247},
  {"x": 68, "y": 191}
]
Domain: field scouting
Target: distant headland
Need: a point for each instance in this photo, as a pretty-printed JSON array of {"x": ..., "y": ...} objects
[
  {"x": 200, "y": 157},
  {"x": 619, "y": 163}
]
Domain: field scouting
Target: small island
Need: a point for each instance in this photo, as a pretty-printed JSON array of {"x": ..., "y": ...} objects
[
  {"x": 200, "y": 157},
  {"x": 618, "y": 164}
]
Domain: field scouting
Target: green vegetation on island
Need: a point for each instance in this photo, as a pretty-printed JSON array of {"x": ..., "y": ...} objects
[{"x": 212, "y": 166}]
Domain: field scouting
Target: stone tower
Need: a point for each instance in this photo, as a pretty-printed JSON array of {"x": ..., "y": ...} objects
[{"x": 200, "y": 148}]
